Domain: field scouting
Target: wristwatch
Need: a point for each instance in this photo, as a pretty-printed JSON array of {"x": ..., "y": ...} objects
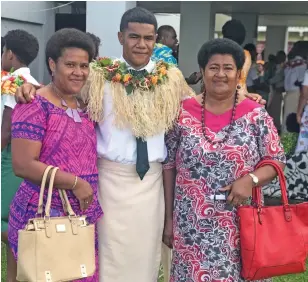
[{"x": 255, "y": 179}]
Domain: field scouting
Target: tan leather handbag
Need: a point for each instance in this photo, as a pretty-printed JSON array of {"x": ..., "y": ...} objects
[{"x": 54, "y": 249}]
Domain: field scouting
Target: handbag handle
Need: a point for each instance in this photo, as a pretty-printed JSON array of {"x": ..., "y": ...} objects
[
  {"x": 65, "y": 201},
  {"x": 257, "y": 191},
  {"x": 43, "y": 184}
]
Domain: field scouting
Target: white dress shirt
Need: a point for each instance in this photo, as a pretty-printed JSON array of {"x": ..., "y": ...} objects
[
  {"x": 119, "y": 145},
  {"x": 293, "y": 74},
  {"x": 8, "y": 100}
]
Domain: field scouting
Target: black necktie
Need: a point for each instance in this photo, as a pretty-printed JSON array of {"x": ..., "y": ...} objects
[{"x": 142, "y": 164}]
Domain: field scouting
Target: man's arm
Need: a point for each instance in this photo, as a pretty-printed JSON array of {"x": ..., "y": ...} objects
[
  {"x": 194, "y": 78},
  {"x": 6, "y": 127},
  {"x": 302, "y": 103}
]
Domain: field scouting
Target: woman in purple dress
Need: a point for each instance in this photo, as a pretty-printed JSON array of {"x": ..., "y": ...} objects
[
  {"x": 54, "y": 130},
  {"x": 215, "y": 146}
]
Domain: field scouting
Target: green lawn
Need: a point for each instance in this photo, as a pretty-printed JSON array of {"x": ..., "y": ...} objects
[
  {"x": 3, "y": 263},
  {"x": 289, "y": 278}
]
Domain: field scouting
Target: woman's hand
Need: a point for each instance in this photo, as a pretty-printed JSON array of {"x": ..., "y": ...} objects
[
  {"x": 256, "y": 97},
  {"x": 240, "y": 190},
  {"x": 299, "y": 118},
  {"x": 25, "y": 93},
  {"x": 84, "y": 193},
  {"x": 168, "y": 233}
]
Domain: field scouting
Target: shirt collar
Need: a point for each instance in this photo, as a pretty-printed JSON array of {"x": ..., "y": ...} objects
[
  {"x": 160, "y": 45},
  {"x": 149, "y": 67},
  {"x": 22, "y": 71}
]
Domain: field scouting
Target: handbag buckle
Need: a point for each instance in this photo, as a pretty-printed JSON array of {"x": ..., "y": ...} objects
[
  {"x": 287, "y": 213},
  {"x": 81, "y": 218},
  {"x": 259, "y": 214},
  {"x": 36, "y": 226},
  {"x": 46, "y": 218},
  {"x": 84, "y": 222}
]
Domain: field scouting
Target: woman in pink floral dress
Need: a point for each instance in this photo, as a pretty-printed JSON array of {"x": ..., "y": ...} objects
[{"x": 214, "y": 148}]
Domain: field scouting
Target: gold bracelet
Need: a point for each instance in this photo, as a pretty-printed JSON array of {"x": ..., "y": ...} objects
[{"x": 75, "y": 183}]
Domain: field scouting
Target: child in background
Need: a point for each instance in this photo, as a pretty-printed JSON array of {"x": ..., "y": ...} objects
[{"x": 20, "y": 48}]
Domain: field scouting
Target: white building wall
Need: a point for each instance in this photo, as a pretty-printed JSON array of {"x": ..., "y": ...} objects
[
  {"x": 36, "y": 17},
  {"x": 194, "y": 33},
  {"x": 103, "y": 19}
]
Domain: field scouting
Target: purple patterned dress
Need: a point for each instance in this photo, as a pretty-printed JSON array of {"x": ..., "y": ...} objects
[{"x": 67, "y": 144}]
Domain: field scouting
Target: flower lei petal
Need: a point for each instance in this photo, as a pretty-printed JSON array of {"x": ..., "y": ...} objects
[
  {"x": 117, "y": 71},
  {"x": 11, "y": 83}
]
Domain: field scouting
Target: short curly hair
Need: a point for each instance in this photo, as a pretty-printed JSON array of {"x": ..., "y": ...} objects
[
  {"x": 97, "y": 42},
  {"x": 234, "y": 30},
  {"x": 68, "y": 38},
  {"x": 221, "y": 46},
  {"x": 138, "y": 15},
  {"x": 163, "y": 30},
  {"x": 24, "y": 45}
]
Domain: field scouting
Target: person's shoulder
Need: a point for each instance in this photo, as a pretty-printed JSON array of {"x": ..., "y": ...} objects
[
  {"x": 191, "y": 104},
  {"x": 248, "y": 106},
  {"x": 30, "y": 79},
  {"x": 33, "y": 112},
  {"x": 259, "y": 112},
  {"x": 38, "y": 104}
]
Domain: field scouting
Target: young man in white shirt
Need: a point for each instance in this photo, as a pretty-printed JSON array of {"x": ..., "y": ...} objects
[
  {"x": 20, "y": 49},
  {"x": 131, "y": 188}
]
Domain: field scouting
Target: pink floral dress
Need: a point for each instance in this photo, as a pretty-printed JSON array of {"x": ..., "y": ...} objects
[{"x": 206, "y": 236}]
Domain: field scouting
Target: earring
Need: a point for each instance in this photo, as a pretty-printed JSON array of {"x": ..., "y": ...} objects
[{"x": 238, "y": 87}]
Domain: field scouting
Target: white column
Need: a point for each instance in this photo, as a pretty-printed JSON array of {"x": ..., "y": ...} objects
[
  {"x": 103, "y": 20},
  {"x": 196, "y": 27},
  {"x": 276, "y": 39},
  {"x": 250, "y": 21}
]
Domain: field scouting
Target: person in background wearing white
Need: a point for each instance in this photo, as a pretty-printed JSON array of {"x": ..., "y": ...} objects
[
  {"x": 294, "y": 74},
  {"x": 20, "y": 49}
]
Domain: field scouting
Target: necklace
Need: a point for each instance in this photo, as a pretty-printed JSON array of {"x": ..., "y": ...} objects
[
  {"x": 72, "y": 113},
  {"x": 57, "y": 92},
  {"x": 230, "y": 127}
]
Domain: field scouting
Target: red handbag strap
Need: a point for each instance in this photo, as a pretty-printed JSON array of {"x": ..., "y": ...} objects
[{"x": 257, "y": 191}]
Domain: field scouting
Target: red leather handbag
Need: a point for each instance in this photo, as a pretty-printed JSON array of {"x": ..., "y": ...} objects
[{"x": 274, "y": 240}]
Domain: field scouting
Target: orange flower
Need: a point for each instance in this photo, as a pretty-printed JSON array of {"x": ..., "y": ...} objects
[
  {"x": 127, "y": 77},
  {"x": 6, "y": 84},
  {"x": 163, "y": 70},
  {"x": 117, "y": 78},
  {"x": 4, "y": 73},
  {"x": 154, "y": 79}
]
